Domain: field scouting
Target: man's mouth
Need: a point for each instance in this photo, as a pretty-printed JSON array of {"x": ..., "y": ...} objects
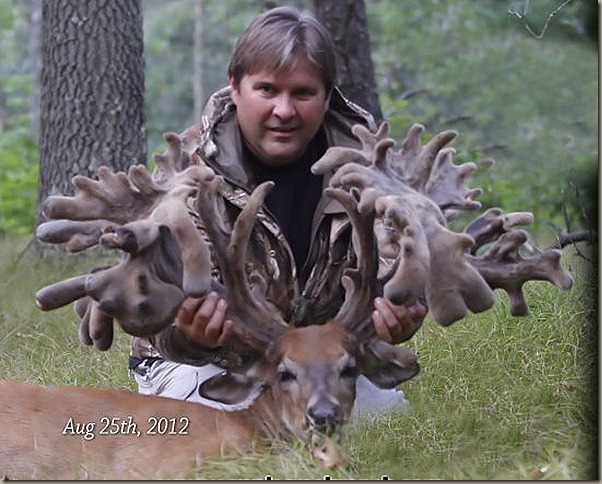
[{"x": 282, "y": 129}]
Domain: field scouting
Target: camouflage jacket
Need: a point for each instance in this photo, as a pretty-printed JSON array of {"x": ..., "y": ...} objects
[{"x": 304, "y": 295}]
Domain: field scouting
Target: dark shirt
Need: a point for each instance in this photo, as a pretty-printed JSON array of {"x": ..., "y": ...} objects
[{"x": 295, "y": 196}]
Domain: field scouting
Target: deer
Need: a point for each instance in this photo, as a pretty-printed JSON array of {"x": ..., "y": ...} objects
[
  {"x": 304, "y": 381},
  {"x": 301, "y": 377}
]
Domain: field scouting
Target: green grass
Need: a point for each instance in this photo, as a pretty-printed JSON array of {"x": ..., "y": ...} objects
[{"x": 497, "y": 398}]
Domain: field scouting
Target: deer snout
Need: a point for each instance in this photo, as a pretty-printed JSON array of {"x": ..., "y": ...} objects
[{"x": 325, "y": 416}]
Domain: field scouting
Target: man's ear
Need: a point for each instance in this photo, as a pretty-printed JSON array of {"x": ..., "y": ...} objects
[
  {"x": 328, "y": 96},
  {"x": 231, "y": 388},
  {"x": 233, "y": 84}
]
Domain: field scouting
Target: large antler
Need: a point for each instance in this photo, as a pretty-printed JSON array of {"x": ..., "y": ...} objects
[
  {"x": 427, "y": 169},
  {"x": 502, "y": 265},
  {"x": 385, "y": 364},
  {"x": 257, "y": 321},
  {"x": 420, "y": 188},
  {"x": 145, "y": 216},
  {"x": 431, "y": 261}
]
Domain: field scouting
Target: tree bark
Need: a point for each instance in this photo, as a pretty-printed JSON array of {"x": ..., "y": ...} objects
[
  {"x": 347, "y": 23},
  {"x": 92, "y": 90}
]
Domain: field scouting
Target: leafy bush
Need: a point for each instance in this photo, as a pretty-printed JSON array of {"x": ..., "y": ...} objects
[{"x": 18, "y": 182}]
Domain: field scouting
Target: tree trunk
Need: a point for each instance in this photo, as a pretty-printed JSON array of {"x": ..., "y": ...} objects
[
  {"x": 92, "y": 90},
  {"x": 347, "y": 23}
]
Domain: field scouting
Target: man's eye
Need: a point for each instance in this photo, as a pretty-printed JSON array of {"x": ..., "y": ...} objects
[
  {"x": 305, "y": 94},
  {"x": 265, "y": 89}
]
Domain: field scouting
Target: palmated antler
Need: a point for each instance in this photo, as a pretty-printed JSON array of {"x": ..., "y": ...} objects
[
  {"x": 431, "y": 261},
  {"x": 430, "y": 170},
  {"x": 427, "y": 169},
  {"x": 502, "y": 265},
  {"x": 143, "y": 292},
  {"x": 368, "y": 167},
  {"x": 419, "y": 189},
  {"x": 385, "y": 364},
  {"x": 145, "y": 216}
]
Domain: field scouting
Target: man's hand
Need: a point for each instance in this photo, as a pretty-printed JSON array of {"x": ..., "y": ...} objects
[
  {"x": 395, "y": 324},
  {"x": 203, "y": 320}
]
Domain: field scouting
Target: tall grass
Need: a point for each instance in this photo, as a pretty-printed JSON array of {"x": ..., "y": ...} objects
[
  {"x": 41, "y": 347},
  {"x": 498, "y": 397}
]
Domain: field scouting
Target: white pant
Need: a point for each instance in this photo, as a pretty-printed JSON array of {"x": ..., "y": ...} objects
[{"x": 176, "y": 380}]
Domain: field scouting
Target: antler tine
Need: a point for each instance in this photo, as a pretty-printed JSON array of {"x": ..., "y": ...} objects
[
  {"x": 361, "y": 287},
  {"x": 110, "y": 197},
  {"x": 257, "y": 320},
  {"x": 173, "y": 161},
  {"x": 446, "y": 187},
  {"x": 494, "y": 223},
  {"x": 369, "y": 139},
  {"x": 77, "y": 235},
  {"x": 503, "y": 267},
  {"x": 360, "y": 283},
  {"x": 411, "y": 143},
  {"x": 436, "y": 144},
  {"x": 374, "y": 149},
  {"x": 413, "y": 162},
  {"x": 61, "y": 293},
  {"x": 367, "y": 136}
]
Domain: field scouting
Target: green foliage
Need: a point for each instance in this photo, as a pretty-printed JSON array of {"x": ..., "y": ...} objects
[
  {"x": 18, "y": 149},
  {"x": 529, "y": 103},
  {"x": 18, "y": 182},
  {"x": 169, "y": 51},
  {"x": 470, "y": 66}
]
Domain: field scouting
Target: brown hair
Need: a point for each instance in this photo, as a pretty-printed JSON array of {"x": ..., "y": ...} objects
[{"x": 277, "y": 38}]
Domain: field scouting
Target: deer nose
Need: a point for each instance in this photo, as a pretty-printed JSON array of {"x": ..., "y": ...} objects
[{"x": 325, "y": 415}]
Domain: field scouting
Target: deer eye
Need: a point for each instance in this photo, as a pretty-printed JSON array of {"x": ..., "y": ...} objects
[
  {"x": 286, "y": 376},
  {"x": 350, "y": 371}
]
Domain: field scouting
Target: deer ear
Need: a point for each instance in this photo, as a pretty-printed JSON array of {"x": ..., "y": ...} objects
[
  {"x": 231, "y": 388},
  {"x": 386, "y": 365}
]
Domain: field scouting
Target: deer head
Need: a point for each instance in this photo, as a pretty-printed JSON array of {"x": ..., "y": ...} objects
[{"x": 309, "y": 372}]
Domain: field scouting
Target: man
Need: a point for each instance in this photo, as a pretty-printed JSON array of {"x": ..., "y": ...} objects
[{"x": 278, "y": 116}]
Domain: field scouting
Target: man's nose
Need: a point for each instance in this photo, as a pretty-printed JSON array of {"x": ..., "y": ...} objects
[{"x": 284, "y": 107}]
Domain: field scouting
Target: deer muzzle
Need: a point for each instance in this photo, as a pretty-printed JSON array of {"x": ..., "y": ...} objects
[{"x": 325, "y": 416}]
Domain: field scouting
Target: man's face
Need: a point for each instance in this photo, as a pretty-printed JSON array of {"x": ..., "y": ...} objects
[{"x": 280, "y": 112}]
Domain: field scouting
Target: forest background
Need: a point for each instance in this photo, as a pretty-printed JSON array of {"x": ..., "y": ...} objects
[
  {"x": 476, "y": 67},
  {"x": 498, "y": 397}
]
